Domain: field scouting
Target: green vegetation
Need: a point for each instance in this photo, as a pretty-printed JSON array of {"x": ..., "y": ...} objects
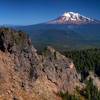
[
  {"x": 67, "y": 96},
  {"x": 88, "y": 59},
  {"x": 90, "y": 92}
]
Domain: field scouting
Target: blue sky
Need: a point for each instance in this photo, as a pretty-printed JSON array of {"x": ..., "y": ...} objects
[{"x": 26, "y": 12}]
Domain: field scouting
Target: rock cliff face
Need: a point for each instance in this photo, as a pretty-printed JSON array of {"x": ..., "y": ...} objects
[
  {"x": 59, "y": 70},
  {"x": 26, "y": 75}
]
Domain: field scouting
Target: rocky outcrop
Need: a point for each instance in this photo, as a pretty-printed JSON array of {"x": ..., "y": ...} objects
[
  {"x": 26, "y": 75},
  {"x": 59, "y": 70}
]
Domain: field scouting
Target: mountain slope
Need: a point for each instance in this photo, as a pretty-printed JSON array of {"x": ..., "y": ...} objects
[{"x": 26, "y": 75}]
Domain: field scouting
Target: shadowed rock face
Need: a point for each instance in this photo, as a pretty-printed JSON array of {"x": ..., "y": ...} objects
[
  {"x": 21, "y": 51},
  {"x": 33, "y": 75}
]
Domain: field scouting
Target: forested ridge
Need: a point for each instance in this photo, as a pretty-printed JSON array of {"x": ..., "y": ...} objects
[{"x": 87, "y": 59}]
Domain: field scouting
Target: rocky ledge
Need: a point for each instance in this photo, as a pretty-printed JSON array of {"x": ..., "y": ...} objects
[{"x": 26, "y": 75}]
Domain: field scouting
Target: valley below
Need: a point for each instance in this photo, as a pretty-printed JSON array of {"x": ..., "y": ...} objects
[{"x": 63, "y": 36}]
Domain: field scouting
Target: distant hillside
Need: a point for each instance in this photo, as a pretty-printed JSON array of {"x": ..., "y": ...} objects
[
  {"x": 69, "y": 31},
  {"x": 64, "y": 36}
]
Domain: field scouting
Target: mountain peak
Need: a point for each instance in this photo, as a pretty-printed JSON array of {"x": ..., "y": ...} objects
[
  {"x": 75, "y": 16},
  {"x": 72, "y": 18},
  {"x": 70, "y": 13}
]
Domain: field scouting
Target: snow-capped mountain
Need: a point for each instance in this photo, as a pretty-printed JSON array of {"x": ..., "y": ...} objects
[
  {"x": 72, "y": 18},
  {"x": 70, "y": 30}
]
